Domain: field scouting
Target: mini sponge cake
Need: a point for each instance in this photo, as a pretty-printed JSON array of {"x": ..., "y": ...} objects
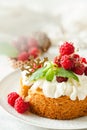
[
  {"x": 56, "y": 89},
  {"x": 54, "y": 108}
]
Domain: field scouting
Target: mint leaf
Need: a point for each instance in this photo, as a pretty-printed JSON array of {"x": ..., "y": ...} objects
[
  {"x": 66, "y": 73},
  {"x": 37, "y": 74},
  {"x": 42, "y": 72},
  {"x": 50, "y": 75},
  {"x": 47, "y": 67},
  {"x": 50, "y": 71},
  {"x": 8, "y": 49}
]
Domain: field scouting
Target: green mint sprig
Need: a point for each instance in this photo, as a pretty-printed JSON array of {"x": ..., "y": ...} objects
[
  {"x": 49, "y": 71},
  {"x": 66, "y": 73}
]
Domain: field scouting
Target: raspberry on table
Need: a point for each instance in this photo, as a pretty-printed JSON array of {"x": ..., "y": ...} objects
[
  {"x": 23, "y": 56},
  {"x": 66, "y": 62},
  {"x": 21, "y": 106},
  {"x": 12, "y": 97},
  {"x": 79, "y": 69},
  {"x": 66, "y": 49},
  {"x": 61, "y": 79}
]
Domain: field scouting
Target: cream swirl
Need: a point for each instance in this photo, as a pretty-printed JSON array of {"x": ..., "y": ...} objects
[{"x": 53, "y": 89}]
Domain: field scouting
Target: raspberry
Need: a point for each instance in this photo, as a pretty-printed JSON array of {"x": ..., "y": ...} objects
[
  {"x": 66, "y": 48},
  {"x": 83, "y": 60},
  {"x": 23, "y": 56},
  {"x": 67, "y": 62},
  {"x": 34, "y": 52},
  {"x": 85, "y": 71},
  {"x": 12, "y": 97},
  {"x": 79, "y": 69},
  {"x": 61, "y": 79},
  {"x": 21, "y": 106},
  {"x": 57, "y": 60},
  {"x": 76, "y": 56}
]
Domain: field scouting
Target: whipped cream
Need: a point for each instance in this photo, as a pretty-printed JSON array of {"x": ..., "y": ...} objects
[{"x": 53, "y": 89}]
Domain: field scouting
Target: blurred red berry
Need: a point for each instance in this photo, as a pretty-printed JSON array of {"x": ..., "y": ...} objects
[
  {"x": 21, "y": 106},
  {"x": 85, "y": 72},
  {"x": 66, "y": 62},
  {"x": 34, "y": 52},
  {"x": 23, "y": 56},
  {"x": 66, "y": 49},
  {"x": 61, "y": 79},
  {"x": 12, "y": 97},
  {"x": 32, "y": 43}
]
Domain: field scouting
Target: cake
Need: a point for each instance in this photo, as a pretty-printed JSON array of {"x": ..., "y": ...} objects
[
  {"x": 35, "y": 45},
  {"x": 56, "y": 89}
]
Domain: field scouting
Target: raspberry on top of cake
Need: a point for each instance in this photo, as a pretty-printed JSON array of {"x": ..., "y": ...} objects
[{"x": 66, "y": 75}]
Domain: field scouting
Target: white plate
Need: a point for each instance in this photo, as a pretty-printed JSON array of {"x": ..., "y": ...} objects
[{"x": 10, "y": 84}]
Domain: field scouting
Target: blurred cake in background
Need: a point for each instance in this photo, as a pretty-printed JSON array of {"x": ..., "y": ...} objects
[{"x": 33, "y": 46}]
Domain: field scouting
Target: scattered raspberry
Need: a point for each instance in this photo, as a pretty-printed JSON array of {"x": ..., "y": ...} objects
[
  {"x": 23, "y": 56},
  {"x": 12, "y": 97},
  {"x": 61, "y": 79},
  {"x": 67, "y": 62},
  {"x": 79, "y": 69},
  {"x": 34, "y": 52},
  {"x": 21, "y": 106},
  {"x": 85, "y": 71},
  {"x": 66, "y": 48},
  {"x": 57, "y": 60}
]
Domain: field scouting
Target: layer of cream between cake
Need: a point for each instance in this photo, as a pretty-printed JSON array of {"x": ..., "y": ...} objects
[{"x": 53, "y": 89}]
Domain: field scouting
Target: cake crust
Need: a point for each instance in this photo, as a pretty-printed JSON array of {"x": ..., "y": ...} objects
[{"x": 57, "y": 108}]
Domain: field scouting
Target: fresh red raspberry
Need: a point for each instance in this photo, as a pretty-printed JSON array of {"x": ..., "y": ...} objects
[
  {"x": 34, "y": 52},
  {"x": 57, "y": 60},
  {"x": 85, "y": 71},
  {"x": 23, "y": 56},
  {"x": 66, "y": 49},
  {"x": 76, "y": 56},
  {"x": 61, "y": 79},
  {"x": 21, "y": 106},
  {"x": 66, "y": 62},
  {"x": 12, "y": 97},
  {"x": 79, "y": 69},
  {"x": 83, "y": 60}
]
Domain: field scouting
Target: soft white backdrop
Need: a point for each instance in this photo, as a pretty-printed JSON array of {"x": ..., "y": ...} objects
[{"x": 61, "y": 19}]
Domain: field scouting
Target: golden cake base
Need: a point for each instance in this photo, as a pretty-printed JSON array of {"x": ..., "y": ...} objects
[{"x": 55, "y": 108}]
